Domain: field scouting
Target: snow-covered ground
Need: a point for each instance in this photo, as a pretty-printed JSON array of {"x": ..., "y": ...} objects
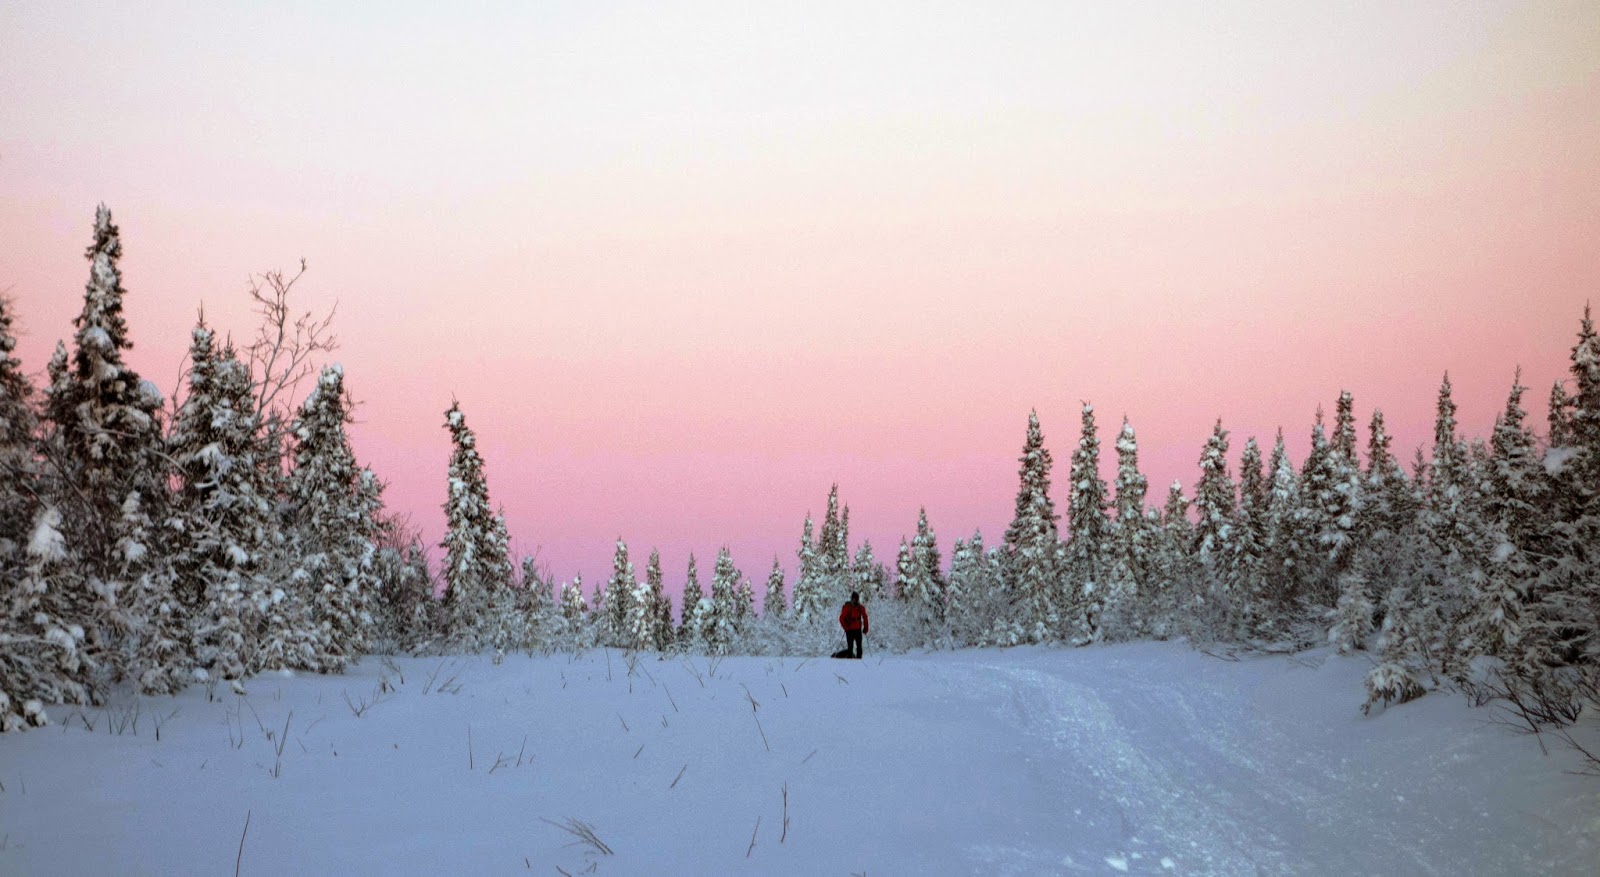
[{"x": 1145, "y": 758}]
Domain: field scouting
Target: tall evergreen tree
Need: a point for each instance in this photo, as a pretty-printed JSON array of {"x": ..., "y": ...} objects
[
  {"x": 39, "y": 649},
  {"x": 867, "y": 574},
  {"x": 1217, "y": 508},
  {"x": 333, "y": 509},
  {"x": 1559, "y": 417},
  {"x": 1246, "y": 575},
  {"x": 1133, "y": 542},
  {"x": 477, "y": 564},
  {"x": 619, "y": 603},
  {"x": 1088, "y": 552},
  {"x": 225, "y": 550},
  {"x": 1287, "y": 552},
  {"x": 1515, "y": 509},
  {"x": 688, "y": 632},
  {"x": 1170, "y": 600},
  {"x": 772, "y": 602},
  {"x": 19, "y": 470},
  {"x": 922, "y": 586},
  {"x": 810, "y": 587},
  {"x": 1032, "y": 570},
  {"x": 109, "y": 473}
]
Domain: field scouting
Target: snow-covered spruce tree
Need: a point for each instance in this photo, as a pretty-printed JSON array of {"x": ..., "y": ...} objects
[
  {"x": 976, "y": 595},
  {"x": 689, "y": 633},
  {"x": 660, "y": 608},
  {"x": 570, "y": 621},
  {"x": 1319, "y": 504},
  {"x": 1559, "y": 417},
  {"x": 405, "y": 617},
  {"x": 719, "y": 619},
  {"x": 332, "y": 513},
  {"x": 1352, "y": 615},
  {"x": 477, "y": 561},
  {"x": 19, "y": 469},
  {"x": 1456, "y": 532},
  {"x": 1341, "y": 540},
  {"x": 744, "y": 614},
  {"x": 902, "y": 568},
  {"x": 867, "y": 574},
  {"x": 223, "y": 515},
  {"x": 1216, "y": 507},
  {"x": 1516, "y": 512},
  {"x": 534, "y": 607},
  {"x": 843, "y": 581},
  {"x": 107, "y": 475},
  {"x": 1566, "y": 593},
  {"x": 923, "y": 588},
  {"x": 1170, "y": 603},
  {"x": 1088, "y": 552},
  {"x": 616, "y": 629},
  {"x": 833, "y": 551},
  {"x": 1285, "y": 550},
  {"x": 30, "y": 665},
  {"x": 1388, "y": 507},
  {"x": 810, "y": 588},
  {"x": 1132, "y": 544},
  {"x": 42, "y": 656},
  {"x": 772, "y": 602},
  {"x": 1031, "y": 544},
  {"x": 1247, "y": 560}
]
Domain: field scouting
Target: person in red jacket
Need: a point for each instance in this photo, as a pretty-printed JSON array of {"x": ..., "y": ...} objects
[{"x": 853, "y": 618}]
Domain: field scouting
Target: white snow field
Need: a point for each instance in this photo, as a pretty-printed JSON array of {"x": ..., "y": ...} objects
[{"x": 1147, "y": 758}]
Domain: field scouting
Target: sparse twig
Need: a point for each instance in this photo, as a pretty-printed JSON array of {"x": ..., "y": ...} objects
[
  {"x": 679, "y": 776},
  {"x": 238, "y": 860},
  {"x": 785, "y": 833},
  {"x": 752, "y": 847},
  {"x": 584, "y": 832},
  {"x": 753, "y": 707}
]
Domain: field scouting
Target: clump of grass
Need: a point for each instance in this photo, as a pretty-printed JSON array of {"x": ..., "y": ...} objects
[{"x": 584, "y": 832}]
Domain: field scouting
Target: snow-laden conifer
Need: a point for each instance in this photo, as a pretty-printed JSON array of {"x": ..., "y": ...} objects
[
  {"x": 226, "y": 532},
  {"x": 866, "y": 573},
  {"x": 721, "y": 614},
  {"x": 810, "y": 588},
  {"x": 1215, "y": 505},
  {"x": 571, "y": 620},
  {"x": 1246, "y": 563},
  {"x": 19, "y": 469},
  {"x": 1515, "y": 510},
  {"x": 1031, "y": 543},
  {"x": 477, "y": 563},
  {"x": 109, "y": 471},
  {"x": 617, "y": 627},
  {"x": 1170, "y": 602},
  {"x": 689, "y": 634},
  {"x": 772, "y": 601},
  {"x": 1088, "y": 550},
  {"x": 922, "y": 587},
  {"x": 1132, "y": 543},
  {"x": 332, "y": 521}
]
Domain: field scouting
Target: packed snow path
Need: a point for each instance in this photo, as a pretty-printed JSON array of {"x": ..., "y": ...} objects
[{"x": 1140, "y": 759}]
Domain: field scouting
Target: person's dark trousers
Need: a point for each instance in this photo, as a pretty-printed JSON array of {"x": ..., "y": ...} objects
[{"x": 852, "y": 643}]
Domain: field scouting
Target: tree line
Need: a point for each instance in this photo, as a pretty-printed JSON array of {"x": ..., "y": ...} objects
[{"x": 238, "y": 534}]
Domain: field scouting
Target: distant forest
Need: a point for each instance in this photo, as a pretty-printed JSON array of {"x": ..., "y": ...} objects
[{"x": 229, "y": 532}]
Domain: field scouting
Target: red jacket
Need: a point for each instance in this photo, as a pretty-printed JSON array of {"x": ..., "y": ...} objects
[{"x": 853, "y": 617}]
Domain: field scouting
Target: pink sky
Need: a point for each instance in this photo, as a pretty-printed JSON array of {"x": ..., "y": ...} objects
[{"x": 685, "y": 269}]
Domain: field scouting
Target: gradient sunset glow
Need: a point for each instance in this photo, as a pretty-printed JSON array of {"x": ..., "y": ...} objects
[{"x": 686, "y": 267}]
